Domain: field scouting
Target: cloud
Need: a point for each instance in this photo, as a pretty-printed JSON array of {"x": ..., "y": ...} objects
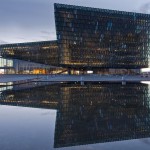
[
  {"x": 145, "y": 8},
  {"x": 3, "y": 42},
  {"x": 21, "y": 38},
  {"x": 44, "y": 36},
  {"x": 46, "y": 113},
  {"x": 47, "y": 35},
  {"x": 45, "y": 32}
]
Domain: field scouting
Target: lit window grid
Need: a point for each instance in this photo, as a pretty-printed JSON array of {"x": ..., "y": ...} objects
[
  {"x": 87, "y": 36},
  {"x": 39, "y": 52}
]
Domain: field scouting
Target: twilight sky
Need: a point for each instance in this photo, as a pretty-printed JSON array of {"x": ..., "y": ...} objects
[{"x": 33, "y": 20}]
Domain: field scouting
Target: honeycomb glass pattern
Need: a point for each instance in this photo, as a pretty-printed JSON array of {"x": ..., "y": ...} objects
[
  {"x": 91, "y": 37},
  {"x": 45, "y": 52}
]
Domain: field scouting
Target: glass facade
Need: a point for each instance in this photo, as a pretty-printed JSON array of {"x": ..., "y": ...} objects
[
  {"x": 91, "y": 37},
  {"x": 45, "y": 52},
  {"x": 6, "y": 66},
  {"x": 5, "y": 63},
  {"x": 32, "y": 58}
]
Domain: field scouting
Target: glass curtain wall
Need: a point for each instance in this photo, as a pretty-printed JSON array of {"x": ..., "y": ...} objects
[{"x": 101, "y": 38}]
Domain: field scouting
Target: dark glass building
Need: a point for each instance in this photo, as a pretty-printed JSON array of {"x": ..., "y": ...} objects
[
  {"x": 100, "y": 38},
  {"x": 44, "y": 52},
  {"x": 90, "y": 39},
  {"x": 36, "y": 57}
]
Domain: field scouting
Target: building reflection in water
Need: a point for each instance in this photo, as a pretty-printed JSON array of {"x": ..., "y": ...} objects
[{"x": 89, "y": 113}]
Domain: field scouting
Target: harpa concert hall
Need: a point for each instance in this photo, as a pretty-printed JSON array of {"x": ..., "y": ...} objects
[{"x": 89, "y": 40}]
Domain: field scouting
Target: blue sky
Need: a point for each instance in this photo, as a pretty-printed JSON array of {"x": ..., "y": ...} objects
[{"x": 33, "y": 20}]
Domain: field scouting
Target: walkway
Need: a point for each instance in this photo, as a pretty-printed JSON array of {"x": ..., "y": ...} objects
[{"x": 65, "y": 78}]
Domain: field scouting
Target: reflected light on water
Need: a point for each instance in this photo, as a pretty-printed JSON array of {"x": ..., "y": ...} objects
[
  {"x": 145, "y": 70},
  {"x": 145, "y": 82}
]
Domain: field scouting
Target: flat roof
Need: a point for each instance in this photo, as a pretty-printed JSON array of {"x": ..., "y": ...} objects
[{"x": 58, "y": 5}]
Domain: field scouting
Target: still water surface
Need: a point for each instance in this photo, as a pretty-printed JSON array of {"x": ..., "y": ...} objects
[{"x": 74, "y": 116}]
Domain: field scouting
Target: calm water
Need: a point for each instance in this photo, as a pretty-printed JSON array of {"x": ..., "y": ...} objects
[{"x": 74, "y": 116}]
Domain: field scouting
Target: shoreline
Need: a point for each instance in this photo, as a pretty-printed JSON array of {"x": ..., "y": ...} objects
[{"x": 72, "y": 78}]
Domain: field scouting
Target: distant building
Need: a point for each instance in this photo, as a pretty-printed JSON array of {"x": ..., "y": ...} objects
[
  {"x": 91, "y": 39},
  {"x": 32, "y": 57},
  {"x": 6, "y": 66}
]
